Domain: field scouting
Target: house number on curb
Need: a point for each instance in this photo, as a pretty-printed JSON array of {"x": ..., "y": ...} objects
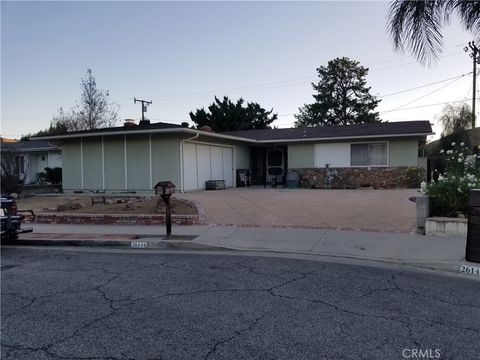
[
  {"x": 138, "y": 244},
  {"x": 470, "y": 269}
]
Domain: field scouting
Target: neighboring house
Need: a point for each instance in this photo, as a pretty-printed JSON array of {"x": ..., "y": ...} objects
[
  {"x": 135, "y": 158},
  {"x": 31, "y": 157}
]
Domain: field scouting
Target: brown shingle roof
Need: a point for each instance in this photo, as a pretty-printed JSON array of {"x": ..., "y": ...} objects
[
  {"x": 373, "y": 129},
  {"x": 157, "y": 125},
  {"x": 32, "y": 145}
]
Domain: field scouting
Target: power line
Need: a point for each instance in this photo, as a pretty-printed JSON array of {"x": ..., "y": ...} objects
[
  {"x": 411, "y": 62},
  {"x": 468, "y": 91},
  {"x": 427, "y": 105},
  {"x": 422, "y": 86},
  {"x": 233, "y": 90},
  {"x": 274, "y": 84},
  {"x": 290, "y": 114},
  {"x": 423, "y": 96},
  {"x": 406, "y": 90},
  {"x": 408, "y": 56}
]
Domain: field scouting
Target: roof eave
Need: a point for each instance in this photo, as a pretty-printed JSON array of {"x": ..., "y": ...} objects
[
  {"x": 145, "y": 131},
  {"x": 344, "y": 138},
  {"x": 221, "y": 136}
]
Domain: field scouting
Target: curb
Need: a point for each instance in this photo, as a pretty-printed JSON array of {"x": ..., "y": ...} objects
[
  {"x": 140, "y": 243},
  {"x": 315, "y": 227}
]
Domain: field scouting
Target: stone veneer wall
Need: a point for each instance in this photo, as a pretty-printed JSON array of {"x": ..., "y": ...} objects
[{"x": 356, "y": 177}]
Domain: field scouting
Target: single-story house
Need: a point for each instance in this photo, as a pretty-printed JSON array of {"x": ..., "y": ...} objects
[
  {"x": 31, "y": 157},
  {"x": 135, "y": 158}
]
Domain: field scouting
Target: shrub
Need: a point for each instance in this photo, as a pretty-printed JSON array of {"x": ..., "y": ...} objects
[
  {"x": 413, "y": 177},
  {"x": 54, "y": 175},
  {"x": 11, "y": 184},
  {"x": 462, "y": 173},
  {"x": 41, "y": 178}
]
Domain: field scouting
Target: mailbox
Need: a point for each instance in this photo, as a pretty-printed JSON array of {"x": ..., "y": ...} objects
[{"x": 166, "y": 189}]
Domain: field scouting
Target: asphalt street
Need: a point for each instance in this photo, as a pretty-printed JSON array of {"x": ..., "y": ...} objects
[{"x": 61, "y": 304}]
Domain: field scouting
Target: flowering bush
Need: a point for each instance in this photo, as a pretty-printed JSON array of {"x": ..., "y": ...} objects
[{"x": 462, "y": 173}]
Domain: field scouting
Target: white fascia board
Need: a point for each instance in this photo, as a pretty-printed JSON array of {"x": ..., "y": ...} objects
[
  {"x": 221, "y": 136},
  {"x": 342, "y": 138},
  {"x": 146, "y": 131}
]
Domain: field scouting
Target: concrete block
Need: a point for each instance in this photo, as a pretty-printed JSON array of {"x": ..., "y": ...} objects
[
  {"x": 446, "y": 226},
  {"x": 423, "y": 211}
]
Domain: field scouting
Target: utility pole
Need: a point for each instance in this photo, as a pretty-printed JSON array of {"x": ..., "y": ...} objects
[
  {"x": 145, "y": 103},
  {"x": 476, "y": 59}
]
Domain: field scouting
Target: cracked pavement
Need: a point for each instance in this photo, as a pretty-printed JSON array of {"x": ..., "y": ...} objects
[{"x": 60, "y": 304}]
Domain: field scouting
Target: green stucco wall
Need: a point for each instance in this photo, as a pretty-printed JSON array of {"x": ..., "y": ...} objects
[
  {"x": 138, "y": 162},
  {"x": 92, "y": 163},
  {"x": 114, "y": 162},
  {"x": 165, "y": 159},
  {"x": 71, "y": 172},
  {"x": 301, "y": 156},
  {"x": 403, "y": 152},
  {"x": 242, "y": 157},
  {"x": 165, "y": 162}
]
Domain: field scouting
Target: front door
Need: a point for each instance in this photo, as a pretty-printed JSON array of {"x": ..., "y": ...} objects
[{"x": 275, "y": 165}]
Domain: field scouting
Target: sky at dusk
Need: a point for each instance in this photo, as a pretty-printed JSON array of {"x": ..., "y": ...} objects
[{"x": 181, "y": 54}]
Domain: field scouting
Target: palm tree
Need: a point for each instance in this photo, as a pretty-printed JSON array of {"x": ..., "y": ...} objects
[{"x": 417, "y": 25}]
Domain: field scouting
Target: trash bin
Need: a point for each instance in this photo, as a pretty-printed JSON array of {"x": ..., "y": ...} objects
[
  {"x": 293, "y": 179},
  {"x": 472, "y": 252}
]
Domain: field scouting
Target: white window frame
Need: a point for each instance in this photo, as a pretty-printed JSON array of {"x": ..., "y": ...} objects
[{"x": 371, "y": 142}]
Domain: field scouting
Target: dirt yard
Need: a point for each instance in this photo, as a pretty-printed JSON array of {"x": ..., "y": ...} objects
[{"x": 113, "y": 205}]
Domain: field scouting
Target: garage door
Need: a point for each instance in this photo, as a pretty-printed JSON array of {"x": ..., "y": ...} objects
[{"x": 206, "y": 162}]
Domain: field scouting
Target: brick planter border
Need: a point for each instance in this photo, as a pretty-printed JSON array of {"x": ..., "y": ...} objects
[{"x": 114, "y": 219}]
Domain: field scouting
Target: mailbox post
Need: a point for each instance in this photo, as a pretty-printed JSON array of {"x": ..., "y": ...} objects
[{"x": 165, "y": 189}]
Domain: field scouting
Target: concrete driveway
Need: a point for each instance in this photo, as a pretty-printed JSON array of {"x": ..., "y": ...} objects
[{"x": 377, "y": 210}]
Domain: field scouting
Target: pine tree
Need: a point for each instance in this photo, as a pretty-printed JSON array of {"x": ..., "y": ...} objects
[{"x": 342, "y": 96}]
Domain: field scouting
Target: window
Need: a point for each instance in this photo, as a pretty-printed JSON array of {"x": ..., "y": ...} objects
[{"x": 369, "y": 154}]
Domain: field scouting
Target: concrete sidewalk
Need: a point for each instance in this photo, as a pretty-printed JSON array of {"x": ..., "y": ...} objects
[{"x": 433, "y": 252}]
